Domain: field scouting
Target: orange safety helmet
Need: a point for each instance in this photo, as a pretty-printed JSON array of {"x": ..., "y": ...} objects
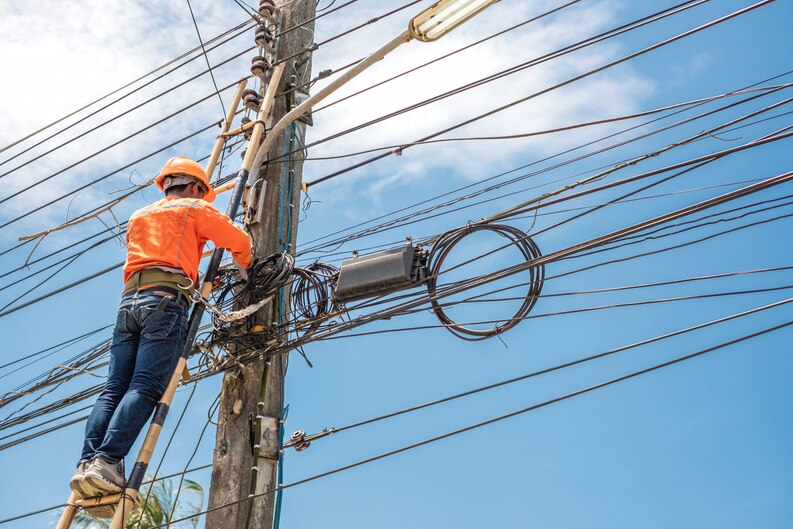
[{"x": 179, "y": 165}]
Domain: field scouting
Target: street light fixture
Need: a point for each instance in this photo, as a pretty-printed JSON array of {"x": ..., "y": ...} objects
[
  {"x": 429, "y": 25},
  {"x": 443, "y": 16}
]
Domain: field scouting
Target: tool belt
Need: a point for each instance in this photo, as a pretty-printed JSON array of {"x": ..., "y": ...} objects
[{"x": 151, "y": 278}]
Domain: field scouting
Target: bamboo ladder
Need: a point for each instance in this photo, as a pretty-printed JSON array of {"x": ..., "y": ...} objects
[{"x": 122, "y": 504}]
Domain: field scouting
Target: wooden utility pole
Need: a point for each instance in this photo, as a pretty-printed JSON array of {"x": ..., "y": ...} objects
[{"x": 246, "y": 454}]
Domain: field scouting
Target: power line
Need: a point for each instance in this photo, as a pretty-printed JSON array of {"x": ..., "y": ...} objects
[
  {"x": 639, "y": 23},
  {"x": 315, "y": 46},
  {"x": 559, "y": 367},
  {"x": 240, "y": 29},
  {"x": 152, "y": 72},
  {"x": 554, "y": 256},
  {"x": 206, "y": 58},
  {"x": 554, "y": 130},
  {"x": 523, "y": 208},
  {"x": 442, "y": 57},
  {"x": 556, "y": 86},
  {"x": 498, "y": 384},
  {"x": 488, "y": 422},
  {"x": 107, "y": 148},
  {"x": 543, "y": 200},
  {"x": 107, "y": 175}
]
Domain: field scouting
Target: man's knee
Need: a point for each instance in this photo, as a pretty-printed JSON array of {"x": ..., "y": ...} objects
[{"x": 147, "y": 388}]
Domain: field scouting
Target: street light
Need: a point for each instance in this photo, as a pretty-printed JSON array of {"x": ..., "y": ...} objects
[
  {"x": 429, "y": 25},
  {"x": 442, "y": 17}
]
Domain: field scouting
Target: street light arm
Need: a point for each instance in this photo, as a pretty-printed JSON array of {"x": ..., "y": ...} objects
[{"x": 306, "y": 105}]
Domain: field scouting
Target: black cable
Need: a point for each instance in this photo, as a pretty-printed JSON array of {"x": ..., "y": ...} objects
[
  {"x": 554, "y": 87},
  {"x": 312, "y": 19},
  {"x": 108, "y": 121},
  {"x": 62, "y": 289},
  {"x": 206, "y": 58},
  {"x": 105, "y": 149},
  {"x": 502, "y": 417},
  {"x": 172, "y": 61},
  {"x": 456, "y": 51},
  {"x": 374, "y": 20},
  {"x": 566, "y": 312},
  {"x": 68, "y": 342},
  {"x": 639, "y": 23},
  {"x": 248, "y": 9},
  {"x": 444, "y": 246},
  {"x": 537, "y": 203},
  {"x": 562, "y": 366},
  {"x": 46, "y": 423},
  {"x": 521, "y": 411},
  {"x": 508, "y": 182},
  {"x": 554, "y": 256},
  {"x": 107, "y": 175}
]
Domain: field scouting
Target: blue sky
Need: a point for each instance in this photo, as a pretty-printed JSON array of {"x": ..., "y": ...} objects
[{"x": 700, "y": 444}]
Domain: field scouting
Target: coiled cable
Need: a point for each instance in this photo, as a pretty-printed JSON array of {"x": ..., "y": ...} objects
[{"x": 444, "y": 246}]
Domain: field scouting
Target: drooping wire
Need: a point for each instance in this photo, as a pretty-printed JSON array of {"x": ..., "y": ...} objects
[{"x": 206, "y": 58}]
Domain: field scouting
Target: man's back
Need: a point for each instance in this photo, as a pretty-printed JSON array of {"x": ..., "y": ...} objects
[{"x": 171, "y": 234}]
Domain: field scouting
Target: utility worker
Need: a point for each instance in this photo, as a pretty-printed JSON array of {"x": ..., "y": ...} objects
[{"x": 165, "y": 241}]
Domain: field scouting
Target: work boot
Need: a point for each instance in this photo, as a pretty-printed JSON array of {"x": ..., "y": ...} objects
[
  {"x": 78, "y": 480},
  {"x": 103, "y": 477}
]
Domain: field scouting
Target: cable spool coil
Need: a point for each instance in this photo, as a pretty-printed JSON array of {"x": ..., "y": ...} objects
[{"x": 441, "y": 250}]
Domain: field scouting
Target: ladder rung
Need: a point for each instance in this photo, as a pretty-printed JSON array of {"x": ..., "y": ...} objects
[{"x": 98, "y": 500}]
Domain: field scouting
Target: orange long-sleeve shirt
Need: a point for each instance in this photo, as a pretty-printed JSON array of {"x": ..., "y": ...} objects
[{"x": 171, "y": 233}]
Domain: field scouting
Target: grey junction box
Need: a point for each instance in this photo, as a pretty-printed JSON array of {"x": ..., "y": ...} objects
[{"x": 381, "y": 273}]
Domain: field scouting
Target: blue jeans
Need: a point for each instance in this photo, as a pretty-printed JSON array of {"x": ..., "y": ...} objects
[{"x": 148, "y": 339}]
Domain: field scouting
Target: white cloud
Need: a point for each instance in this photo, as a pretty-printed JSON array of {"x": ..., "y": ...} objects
[
  {"x": 58, "y": 59},
  {"x": 609, "y": 94}
]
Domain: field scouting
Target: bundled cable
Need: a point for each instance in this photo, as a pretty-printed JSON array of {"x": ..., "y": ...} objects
[
  {"x": 311, "y": 295},
  {"x": 441, "y": 250},
  {"x": 311, "y": 298}
]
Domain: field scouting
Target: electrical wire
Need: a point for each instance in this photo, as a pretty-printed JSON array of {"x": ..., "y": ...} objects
[
  {"x": 206, "y": 58},
  {"x": 488, "y": 422},
  {"x": 636, "y": 24},
  {"x": 238, "y": 27},
  {"x": 442, "y": 57},
  {"x": 528, "y": 175},
  {"x": 556, "y": 86},
  {"x": 559, "y": 367}
]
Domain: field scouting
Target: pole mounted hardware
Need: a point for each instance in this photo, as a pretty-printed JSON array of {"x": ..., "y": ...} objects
[
  {"x": 381, "y": 273},
  {"x": 301, "y": 441},
  {"x": 254, "y": 202},
  {"x": 260, "y": 67},
  {"x": 267, "y": 8},
  {"x": 264, "y": 38},
  {"x": 251, "y": 100}
]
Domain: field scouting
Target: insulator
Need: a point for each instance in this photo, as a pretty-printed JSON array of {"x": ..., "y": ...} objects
[
  {"x": 299, "y": 440},
  {"x": 251, "y": 100},
  {"x": 260, "y": 67},
  {"x": 266, "y": 8},
  {"x": 244, "y": 121},
  {"x": 263, "y": 37}
]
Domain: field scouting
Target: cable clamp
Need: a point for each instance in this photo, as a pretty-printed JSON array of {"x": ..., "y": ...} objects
[{"x": 300, "y": 440}]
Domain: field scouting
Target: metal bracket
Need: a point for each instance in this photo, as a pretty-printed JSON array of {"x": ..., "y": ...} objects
[
  {"x": 254, "y": 202},
  {"x": 300, "y": 440}
]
